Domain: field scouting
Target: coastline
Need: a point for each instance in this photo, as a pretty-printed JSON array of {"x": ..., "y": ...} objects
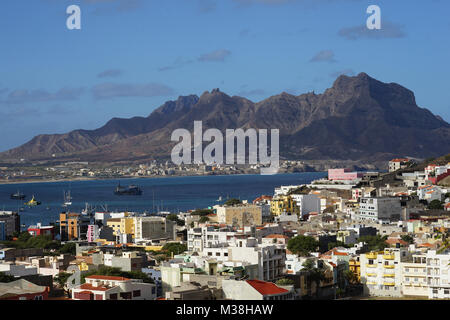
[{"x": 31, "y": 181}]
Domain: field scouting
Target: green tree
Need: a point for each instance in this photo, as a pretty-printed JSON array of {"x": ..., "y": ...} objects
[
  {"x": 174, "y": 248},
  {"x": 232, "y": 202},
  {"x": 407, "y": 238},
  {"x": 174, "y": 217},
  {"x": 202, "y": 212},
  {"x": 351, "y": 277},
  {"x": 203, "y": 219},
  {"x": 284, "y": 282},
  {"x": 315, "y": 274},
  {"x": 435, "y": 205},
  {"x": 69, "y": 247},
  {"x": 375, "y": 243},
  {"x": 302, "y": 245}
]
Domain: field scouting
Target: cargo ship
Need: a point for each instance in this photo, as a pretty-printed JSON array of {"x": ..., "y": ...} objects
[{"x": 131, "y": 190}]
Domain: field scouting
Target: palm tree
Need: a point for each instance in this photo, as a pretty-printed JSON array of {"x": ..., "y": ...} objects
[{"x": 315, "y": 274}]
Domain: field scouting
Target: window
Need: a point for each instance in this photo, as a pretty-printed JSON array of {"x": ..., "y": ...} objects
[
  {"x": 113, "y": 296},
  {"x": 209, "y": 253},
  {"x": 217, "y": 254},
  {"x": 225, "y": 254},
  {"x": 136, "y": 293}
]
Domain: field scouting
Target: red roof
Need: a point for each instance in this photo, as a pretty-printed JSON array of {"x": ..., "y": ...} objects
[
  {"x": 266, "y": 288},
  {"x": 278, "y": 236},
  {"x": 88, "y": 286},
  {"x": 107, "y": 278},
  {"x": 399, "y": 160}
]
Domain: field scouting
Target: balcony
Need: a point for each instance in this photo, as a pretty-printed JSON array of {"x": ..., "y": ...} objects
[
  {"x": 371, "y": 265},
  {"x": 388, "y": 257},
  {"x": 390, "y": 266},
  {"x": 371, "y": 274},
  {"x": 371, "y": 255},
  {"x": 389, "y": 284},
  {"x": 389, "y": 275}
]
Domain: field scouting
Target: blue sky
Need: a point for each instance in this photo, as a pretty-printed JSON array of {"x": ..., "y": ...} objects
[{"x": 133, "y": 55}]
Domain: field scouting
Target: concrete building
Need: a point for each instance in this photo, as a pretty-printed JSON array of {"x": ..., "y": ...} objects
[
  {"x": 306, "y": 203},
  {"x": 438, "y": 276},
  {"x": 113, "y": 288},
  {"x": 379, "y": 209},
  {"x": 151, "y": 228},
  {"x": 414, "y": 276},
  {"x": 73, "y": 226},
  {"x": 11, "y": 222},
  {"x": 239, "y": 215},
  {"x": 17, "y": 270},
  {"x": 381, "y": 272}
]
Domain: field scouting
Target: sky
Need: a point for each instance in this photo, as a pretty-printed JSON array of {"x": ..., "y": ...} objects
[{"x": 130, "y": 56}]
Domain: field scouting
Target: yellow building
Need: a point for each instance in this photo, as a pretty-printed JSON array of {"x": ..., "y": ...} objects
[
  {"x": 122, "y": 226},
  {"x": 355, "y": 266},
  {"x": 280, "y": 204}
]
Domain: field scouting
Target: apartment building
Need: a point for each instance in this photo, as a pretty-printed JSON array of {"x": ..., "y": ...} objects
[
  {"x": 151, "y": 228},
  {"x": 11, "y": 223},
  {"x": 209, "y": 237},
  {"x": 414, "y": 276},
  {"x": 381, "y": 272},
  {"x": 379, "y": 209},
  {"x": 438, "y": 277},
  {"x": 73, "y": 226}
]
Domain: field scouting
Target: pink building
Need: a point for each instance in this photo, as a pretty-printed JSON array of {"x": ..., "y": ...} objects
[
  {"x": 343, "y": 174},
  {"x": 92, "y": 233}
]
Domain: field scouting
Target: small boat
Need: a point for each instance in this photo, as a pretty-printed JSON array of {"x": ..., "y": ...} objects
[
  {"x": 33, "y": 202},
  {"x": 67, "y": 199},
  {"x": 18, "y": 195},
  {"x": 21, "y": 209},
  {"x": 130, "y": 190}
]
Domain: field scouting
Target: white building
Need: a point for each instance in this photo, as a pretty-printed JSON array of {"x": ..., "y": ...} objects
[
  {"x": 114, "y": 288},
  {"x": 381, "y": 272},
  {"x": 438, "y": 277},
  {"x": 307, "y": 203},
  {"x": 414, "y": 276},
  {"x": 379, "y": 209},
  {"x": 255, "y": 290}
]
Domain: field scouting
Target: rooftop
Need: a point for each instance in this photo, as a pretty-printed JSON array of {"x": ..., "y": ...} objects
[{"x": 266, "y": 288}]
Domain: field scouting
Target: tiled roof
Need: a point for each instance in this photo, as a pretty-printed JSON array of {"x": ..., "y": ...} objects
[
  {"x": 88, "y": 286},
  {"x": 277, "y": 236},
  {"x": 266, "y": 288}
]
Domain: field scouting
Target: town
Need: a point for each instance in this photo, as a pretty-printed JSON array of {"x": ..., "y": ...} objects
[{"x": 352, "y": 235}]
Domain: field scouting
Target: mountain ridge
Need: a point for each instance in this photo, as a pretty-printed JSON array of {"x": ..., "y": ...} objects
[{"x": 357, "y": 118}]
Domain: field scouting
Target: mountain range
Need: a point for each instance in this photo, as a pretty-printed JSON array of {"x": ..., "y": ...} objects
[{"x": 358, "y": 118}]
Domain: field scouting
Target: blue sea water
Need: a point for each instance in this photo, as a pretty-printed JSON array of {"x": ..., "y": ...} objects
[{"x": 169, "y": 194}]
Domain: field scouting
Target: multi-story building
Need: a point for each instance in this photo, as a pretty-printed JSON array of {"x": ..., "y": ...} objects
[
  {"x": 438, "y": 277},
  {"x": 284, "y": 204},
  {"x": 239, "y": 215},
  {"x": 11, "y": 222},
  {"x": 73, "y": 226},
  {"x": 381, "y": 272},
  {"x": 306, "y": 203},
  {"x": 151, "y": 228},
  {"x": 379, "y": 209},
  {"x": 209, "y": 237},
  {"x": 2, "y": 231},
  {"x": 113, "y": 288},
  {"x": 414, "y": 276},
  {"x": 93, "y": 233}
]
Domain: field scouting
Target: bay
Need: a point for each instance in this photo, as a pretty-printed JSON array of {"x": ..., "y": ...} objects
[{"x": 172, "y": 194}]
